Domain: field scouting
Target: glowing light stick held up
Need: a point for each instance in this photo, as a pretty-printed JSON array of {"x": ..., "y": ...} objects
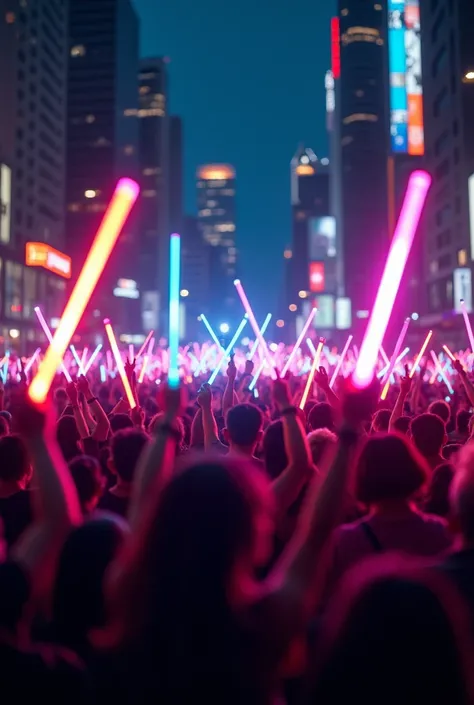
[
  {"x": 143, "y": 370},
  {"x": 77, "y": 359},
  {"x": 467, "y": 323},
  {"x": 126, "y": 193},
  {"x": 119, "y": 363},
  {"x": 439, "y": 369},
  {"x": 314, "y": 367},
  {"x": 340, "y": 361},
  {"x": 262, "y": 330},
  {"x": 383, "y": 396},
  {"x": 296, "y": 347},
  {"x": 256, "y": 329},
  {"x": 228, "y": 349},
  {"x": 449, "y": 353},
  {"x": 49, "y": 337},
  {"x": 30, "y": 362},
  {"x": 92, "y": 358},
  {"x": 396, "y": 351},
  {"x": 84, "y": 355},
  {"x": 211, "y": 332},
  {"x": 173, "y": 323},
  {"x": 415, "y": 198},
  {"x": 420, "y": 354},
  {"x": 147, "y": 340}
]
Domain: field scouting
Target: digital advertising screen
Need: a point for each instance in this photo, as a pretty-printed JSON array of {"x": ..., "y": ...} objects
[
  {"x": 322, "y": 238},
  {"x": 406, "y": 80},
  {"x": 316, "y": 277}
]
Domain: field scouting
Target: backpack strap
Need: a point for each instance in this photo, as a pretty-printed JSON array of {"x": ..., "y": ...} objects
[{"x": 371, "y": 536}]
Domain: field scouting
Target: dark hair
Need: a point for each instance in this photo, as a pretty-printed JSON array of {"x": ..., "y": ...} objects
[
  {"x": 402, "y": 424},
  {"x": 463, "y": 418},
  {"x": 4, "y": 429},
  {"x": 87, "y": 476},
  {"x": 118, "y": 422},
  {"x": 437, "y": 501},
  {"x": 321, "y": 416},
  {"x": 244, "y": 422},
  {"x": 393, "y": 635},
  {"x": 14, "y": 461},
  {"x": 381, "y": 420},
  {"x": 274, "y": 453},
  {"x": 178, "y": 423},
  {"x": 68, "y": 437},
  {"x": 441, "y": 409},
  {"x": 389, "y": 467},
  {"x": 428, "y": 432},
  {"x": 126, "y": 447}
]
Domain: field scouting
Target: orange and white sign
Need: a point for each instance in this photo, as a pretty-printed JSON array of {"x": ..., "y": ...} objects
[{"x": 38, "y": 254}]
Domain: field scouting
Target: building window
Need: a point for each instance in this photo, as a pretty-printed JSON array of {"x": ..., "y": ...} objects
[
  {"x": 29, "y": 292},
  {"x": 78, "y": 50},
  {"x": 13, "y": 290},
  {"x": 360, "y": 117},
  {"x": 149, "y": 193},
  {"x": 151, "y": 171},
  {"x": 462, "y": 258},
  {"x": 10, "y": 18}
]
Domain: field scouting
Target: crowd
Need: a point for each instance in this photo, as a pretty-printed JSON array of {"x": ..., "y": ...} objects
[{"x": 213, "y": 547}]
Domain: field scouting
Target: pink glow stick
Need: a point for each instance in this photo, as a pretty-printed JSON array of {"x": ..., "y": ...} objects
[
  {"x": 340, "y": 361},
  {"x": 467, "y": 324},
  {"x": 396, "y": 352},
  {"x": 415, "y": 198},
  {"x": 314, "y": 367},
  {"x": 256, "y": 329},
  {"x": 30, "y": 362},
  {"x": 147, "y": 340},
  {"x": 299, "y": 341},
  {"x": 49, "y": 337}
]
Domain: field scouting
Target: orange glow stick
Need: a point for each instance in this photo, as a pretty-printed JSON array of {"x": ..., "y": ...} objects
[
  {"x": 119, "y": 363},
  {"x": 143, "y": 370},
  {"x": 449, "y": 353},
  {"x": 146, "y": 341},
  {"x": 420, "y": 354},
  {"x": 125, "y": 195},
  {"x": 309, "y": 382}
]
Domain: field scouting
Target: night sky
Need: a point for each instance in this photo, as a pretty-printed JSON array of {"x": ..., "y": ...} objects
[{"x": 247, "y": 78}]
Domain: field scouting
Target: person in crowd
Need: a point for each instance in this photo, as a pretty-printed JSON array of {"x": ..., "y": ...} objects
[
  {"x": 441, "y": 409},
  {"x": 428, "y": 432},
  {"x": 437, "y": 497},
  {"x": 15, "y": 496},
  {"x": 89, "y": 481},
  {"x": 462, "y": 433},
  {"x": 125, "y": 449},
  {"x": 319, "y": 441},
  {"x": 402, "y": 425},
  {"x": 381, "y": 421},
  {"x": 321, "y": 416}
]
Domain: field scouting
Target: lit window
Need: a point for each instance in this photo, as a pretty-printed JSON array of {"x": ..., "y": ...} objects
[
  {"x": 149, "y": 193},
  {"x": 462, "y": 258},
  {"x": 144, "y": 90},
  {"x": 74, "y": 207},
  {"x": 90, "y": 119},
  {"x": 129, "y": 149},
  {"x": 280, "y": 323},
  {"x": 344, "y": 12},
  {"x": 359, "y": 93},
  {"x": 302, "y": 294},
  {"x": 90, "y": 193},
  {"x": 378, "y": 7},
  {"x": 288, "y": 254},
  {"x": 205, "y": 212},
  {"x": 130, "y": 112},
  {"x": 151, "y": 171},
  {"x": 469, "y": 76},
  {"x": 10, "y": 18},
  {"x": 151, "y": 112},
  {"x": 78, "y": 50},
  {"x": 360, "y": 117},
  {"x": 101, "y": 142}
]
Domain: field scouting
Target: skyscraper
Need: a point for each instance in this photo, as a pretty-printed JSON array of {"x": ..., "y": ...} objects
[
  {"x": 217, "y": 224},
  {"x": 33, "y": 74},
  {"x": 195, "y": 278},
  {"x": 103, "y": 146},
  {"x": 448, "y": 69}
]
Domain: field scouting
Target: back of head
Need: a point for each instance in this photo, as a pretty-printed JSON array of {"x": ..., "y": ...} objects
[
  {"x": 126, "y": 447},
  {"x": 463, "y": 418},
  {"x": 14, "y": 461},
  {"x": 461, "y": 494},
  {"x": 389, "y": 468},
  {"x": 120, "y": 421},
  {"x": 319, "y": 441},
  {"x": 428, "y": 433},
  {"x": 244, "y": 424},
  {"x": 396, "y": 636},
  {"x": 274, "y": 452},
  {"x": 158, "y": 418},
  {"x": 68, "y": 437},
  {"x": 87, "y": 476},
  {"x": 321, "y": 416},
  {"x": 441, "y": 409},
  {"x": 381, "y": 421},
  {"x": 437, "y": 501},
  {"x": 402, "y": 425}
]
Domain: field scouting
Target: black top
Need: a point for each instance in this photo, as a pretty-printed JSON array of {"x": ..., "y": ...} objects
[
  {"x": 117, "y": 505},
  {"x": 16, "y": 514}
]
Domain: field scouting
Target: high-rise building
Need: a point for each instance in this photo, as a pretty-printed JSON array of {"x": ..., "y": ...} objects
[
  {"x": 195, "y": 278},
  {"x": 103, "y": 145},
  {"x": 175, "y": 174},
  {"x": 448, "y": 69},
  {"x": 154, "y": 207},
  {"x": 216, "y": 185},
  {"x": 33, "y": 75}
]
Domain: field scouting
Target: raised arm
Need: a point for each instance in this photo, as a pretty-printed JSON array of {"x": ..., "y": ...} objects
[
  {"x": 156, "y": 462},
  {"x": 228, "y": 400},
  {"x": 466, "y": 382},
  {"x": 102, "y": 428},
  {"x": 72, "y": 393},
  {"x": 204, "y": 399},
  {"x": 405, "y": 386},
  {"x": 322, "y": 380}
]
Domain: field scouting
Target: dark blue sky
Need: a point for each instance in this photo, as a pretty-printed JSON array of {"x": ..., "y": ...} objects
[{"x": 247, "y": 78}]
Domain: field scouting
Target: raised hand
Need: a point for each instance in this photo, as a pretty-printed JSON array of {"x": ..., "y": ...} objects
[
  {"x": 321, "y": 378},
  {"x": 71, "y": 391},
  {"x": 129, "y": 369},
  {"x": 204, "y": 397},
  {"x": 281, "y": 394},
  {"x": 83, "y": 386},
  {"x": 406, "y": 382},
  {"x": 231, "y": 370},
  {"x": 171, "y": 400},
  {"x": 248, "y": 371}
]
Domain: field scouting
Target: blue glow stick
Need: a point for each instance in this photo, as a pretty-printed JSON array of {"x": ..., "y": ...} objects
[
  {"x": 77, "y": 359},
  {"x": 173, "y": 336},
  {"x": 310, "y": 345},
  {"x": 228, "y": 350},
  {"x": 211, "y": 331},
  {"x": 256, "y": 376},
  {"x": 92, "y": 358},
  {"x": 103, "y": 373},
  {"x": 262, "y": 330}
]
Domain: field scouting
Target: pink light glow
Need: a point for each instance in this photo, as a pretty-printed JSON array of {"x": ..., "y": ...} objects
[
  {"x": 421, "y": 353},
  {"x": 467, "y": 323},
  {"x": 415, "y": 198},
  {"x": 299, "y": 341},
  {"x": 314, "y": 367},
  {"x": 256, "y": 329},
  {"x": 340, "y": 361}
]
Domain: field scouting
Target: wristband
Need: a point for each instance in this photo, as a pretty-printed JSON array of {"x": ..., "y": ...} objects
[
  {"x": 290, "y": 411},
  {"x": 92, "y": 400},
  {"x": 168, "y": 430}
]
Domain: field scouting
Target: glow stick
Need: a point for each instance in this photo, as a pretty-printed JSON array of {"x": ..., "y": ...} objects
[
  {"x": 439, "y": 369},
  {"x": 417, "y": 191},
  {"x": 389, "y": 377},
  {"x": 131, "y": 353},
  {"x": 297, "y": 345},
  {"x": 383, "y": 373},
  {"x": 262, "y": 330},
  {"x": 143, "y": 370},
  {"x": 256, "y": 376},
  {"x": 103, "y": 373},
  {"x": 173, "y": 323},
  {"x": 119, "y": 363},
  {"x": 256, "y": 329},
  {"x": 110, "y": 360},
  {"x": 467, "y": 323},
  {"x": 340, "y": 361},
  {"x": 49, "y": 337},
  {"x": 211, "y": 332},
  {"x": 384, "y": 356},
  {"x": 147, "y": 340},
  {"x": 396, "y": 351},
  {"x": 151, "y": 345},
  {"x": 420, "y": 354},
  {"x": 449, "y": 353},
  {"x": 31, "y": 360},
  {"x": 309, "y": 381},
  {"x": 92, "y": 358},
  {"x": 311, "y": 347},
  {"x": 84, "y": 357},
  {"x": 228, "y": 350},
  {"x": 77, "y": 359},
  {"x": 125, "y": 195}
]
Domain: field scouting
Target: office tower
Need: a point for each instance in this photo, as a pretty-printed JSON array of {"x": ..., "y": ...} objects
[
  {"x": 313, "y": 271},
  {"x": 448, "y": 69},
  {"x": 195, "y": 278},
  {"x": 153, "y": 125},
  {"x": 217, "y": 224},
  {"x": 103, "y": 145},
  {"x": 175, "y": 174},
  {"x": 33, "y": 71}
]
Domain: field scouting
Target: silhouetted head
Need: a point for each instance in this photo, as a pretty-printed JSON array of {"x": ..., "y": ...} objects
[
  {"x": 244, "y": 424},
  {"x": 321, "y": 416},
  {"x": 428, "y": 432}
]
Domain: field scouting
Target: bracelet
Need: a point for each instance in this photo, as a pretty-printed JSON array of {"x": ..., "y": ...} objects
[
  {"x": 92, "y": 400},
  {"x": 168, "y": 430},
  {"x": 290, "y": 411}
]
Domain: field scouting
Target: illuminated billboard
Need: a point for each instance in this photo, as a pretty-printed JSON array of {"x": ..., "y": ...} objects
[
  {"x": 38, "y": 254},
  {"x": 316, "y": 277},
  {"x": 406, "y": 84},
  {"x": 322, "y": 238}
]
